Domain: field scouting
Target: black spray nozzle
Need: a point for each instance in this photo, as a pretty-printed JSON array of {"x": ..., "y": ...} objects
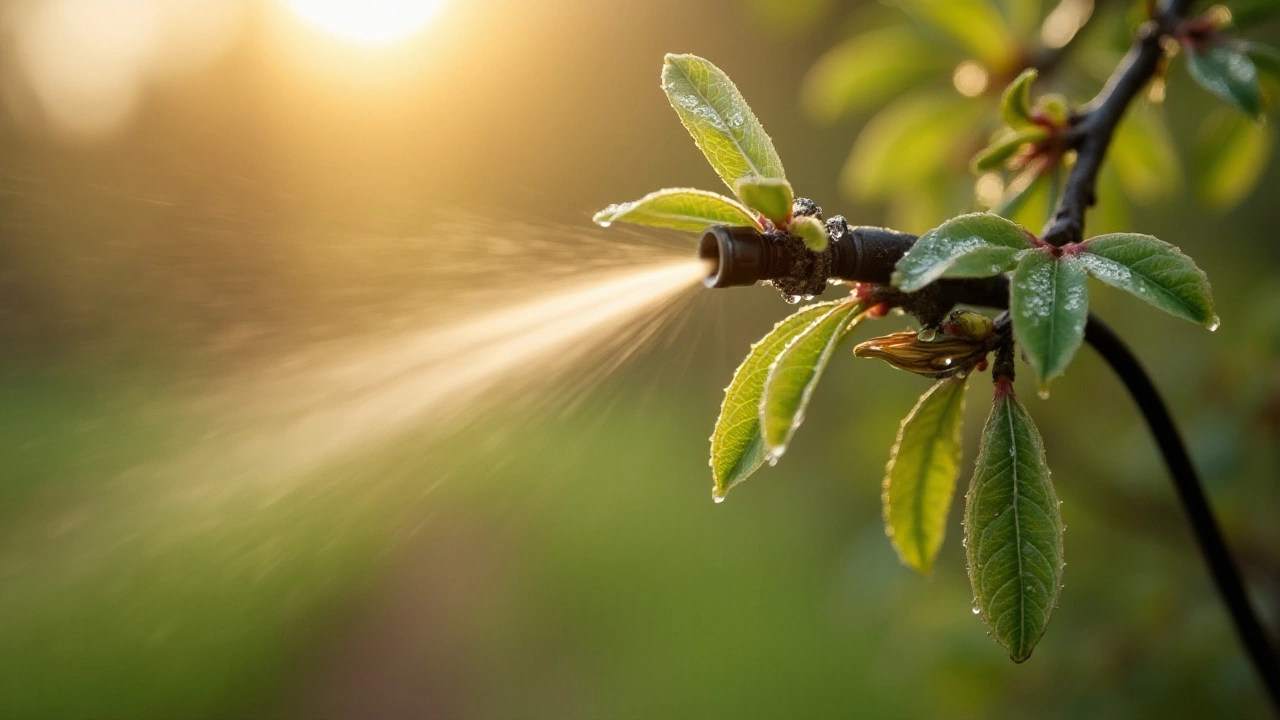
[
  {"x": 744, "y": 255},
  {"x": 735, "y": 256}
]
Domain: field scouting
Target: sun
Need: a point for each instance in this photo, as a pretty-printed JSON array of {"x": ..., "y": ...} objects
[{"x": 370, "y": 22}]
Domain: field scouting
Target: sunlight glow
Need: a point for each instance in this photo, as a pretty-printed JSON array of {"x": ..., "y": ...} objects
[{"x": 370, "y": 22}]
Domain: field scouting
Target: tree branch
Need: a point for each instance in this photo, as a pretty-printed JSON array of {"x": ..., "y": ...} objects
[
  {"x": 1091, "y": 134},
  {"x": 931, "y": 303},
  {"x": 1191, "y": 492}
]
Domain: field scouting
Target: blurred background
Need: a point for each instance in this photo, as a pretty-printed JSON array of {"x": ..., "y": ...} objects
[{"x": 202, "y": 201}]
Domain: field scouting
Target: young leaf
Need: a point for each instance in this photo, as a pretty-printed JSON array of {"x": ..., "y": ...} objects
[
  {"x": 1053, "y": 107},
  {"x": 737, "y": 447},
  {"x": 1030, "y": 196},
  {"x": 796, "y": 371},
  {"x": 1015, "y": 103},
  {"x": 1049, "y": 303},
  {"x": 1231, "y": 153},
  {"x": 1006, "y": 145},
  {"x": 1153, "y": 270},
  {"x": 938, "y": 251},
  {"x": 1013, "y": 529},
  {"x": 1228, "y": 73},
  {"x": 921, "y": 476},
  {"x": 719, "y": 119},
  {"x": 767, "y": 196},
  {"x": 868, "y": 69},
  {"x": 812, "y": 231},
  {"x": 681, "y": 209}
]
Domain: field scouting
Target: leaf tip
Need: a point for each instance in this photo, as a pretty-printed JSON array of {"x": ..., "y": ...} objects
[
  {"x": 605, "y": 217},
  {"x": 1020, "y": 657}
]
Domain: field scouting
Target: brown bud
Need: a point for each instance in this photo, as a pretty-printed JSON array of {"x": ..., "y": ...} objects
[{"x": 963, "y": 345}]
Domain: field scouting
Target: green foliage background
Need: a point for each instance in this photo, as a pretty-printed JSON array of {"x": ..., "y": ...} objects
[{"x": 585, "y": 573}]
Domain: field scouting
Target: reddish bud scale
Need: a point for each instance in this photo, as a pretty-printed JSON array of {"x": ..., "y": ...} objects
[{"x": 1004, "y": 386}]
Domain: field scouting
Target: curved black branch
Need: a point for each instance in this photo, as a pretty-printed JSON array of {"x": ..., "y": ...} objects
[
  {"x": 1190, "y": 491},
  {"x": 1094, "y": 126}
]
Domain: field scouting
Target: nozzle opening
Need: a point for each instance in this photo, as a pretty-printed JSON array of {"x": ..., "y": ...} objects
[{"x": 734, "y": 256}]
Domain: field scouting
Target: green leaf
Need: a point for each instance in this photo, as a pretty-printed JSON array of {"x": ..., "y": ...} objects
[
  {"x": 1049, "y": 303},
  {"x": 768, "y": 196},
  {"x": 1153, "y": 270},
  {"x": 1054, "y": 108},
  {"x": 974, "y": 25},
  {"x": 1142, "y": 154},
  {"x": 1015, "y": 103},
  {"x": 994, "y": 240},
  {"x": 681, "y": 209},
  {"x": 796, "y": 371},
  {"x": 812, "y": 231},
  {"x": 909, "y": 144},
  {"x": 1013, "y": 529},
  {"x": 1030, "y": 196},
  {"x": 921, "y": 476},
  {"x": 1005, "y": 146},
  {"x": 737, "y": 447},
  {"x": 1232, "y": 152},
  {"x": 719, "y": 119},
  {"x": 1228, "y": 73},
  {"x": 868, "y": 69}
]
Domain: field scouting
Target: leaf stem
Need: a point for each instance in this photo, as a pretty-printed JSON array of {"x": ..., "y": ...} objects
[
  {"x": 1002, "y": 369},
  {"x": 1194, "y": 502}
]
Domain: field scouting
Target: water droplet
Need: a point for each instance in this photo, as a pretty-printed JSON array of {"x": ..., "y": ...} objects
[
  {"x": 807, "y": 298},
  {"x": 976, "y": 610},
  {"x": 1043, "y": 393},
  {"x": 927, "y": 334},
  {"x": 791, "y": 299},
  {"x": 718, "y": 498},
  {"x": 773, "y": 460},
  {"x": 1213, "y": 326}
]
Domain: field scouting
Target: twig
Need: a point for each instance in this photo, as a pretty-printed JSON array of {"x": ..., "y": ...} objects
[
  {"x": 1190, "y": 491},
  {"x": 1094, "y": 126},
  {"x": 935, "y": 300}
]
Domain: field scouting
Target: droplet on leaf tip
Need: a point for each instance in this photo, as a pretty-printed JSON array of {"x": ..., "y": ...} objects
[{"x": 1213, "y": 326}]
